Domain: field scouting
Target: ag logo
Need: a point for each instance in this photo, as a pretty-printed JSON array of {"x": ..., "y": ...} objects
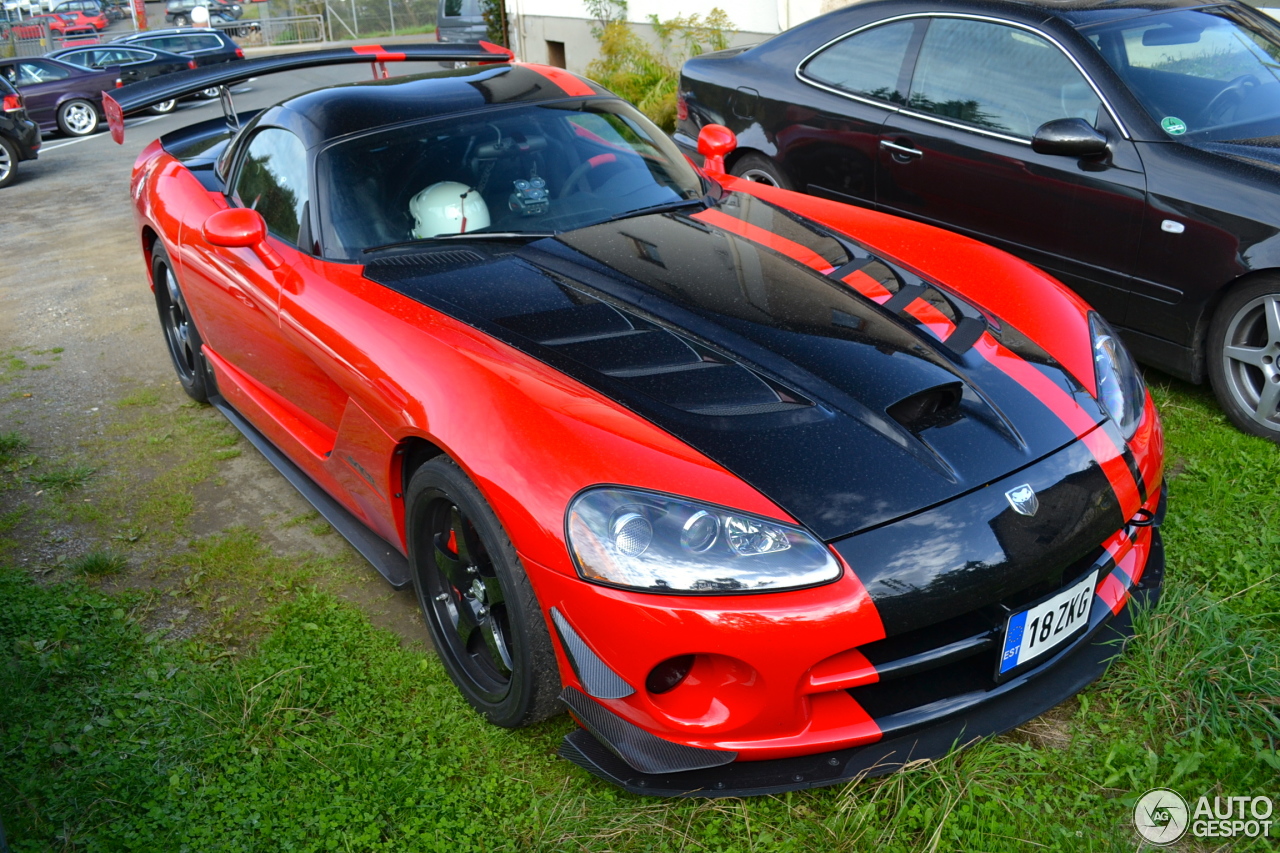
[
  {"x": 1160, "y": 816},
  {"x": 1023, "y": 500}
]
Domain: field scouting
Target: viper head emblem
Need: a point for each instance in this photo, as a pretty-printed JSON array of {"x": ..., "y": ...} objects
[{"x": 1023, "y": 500}]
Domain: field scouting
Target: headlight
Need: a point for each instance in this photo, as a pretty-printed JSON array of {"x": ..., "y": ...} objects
[
  {"x": 660, "y": 543},
  {"x": 1120, "y": 388}
]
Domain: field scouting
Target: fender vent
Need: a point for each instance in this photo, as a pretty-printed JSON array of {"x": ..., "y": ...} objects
[{"x": 936, "y": 406}]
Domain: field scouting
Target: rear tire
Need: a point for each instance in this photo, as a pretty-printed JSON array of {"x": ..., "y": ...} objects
[
  {"x": 1244, "y": 356},
  {"x": 78, "y": 117},
  {"x": 760, "y": 169},
  {"x": 477, "y": 601},
  {"x": 163, "y": 108},
  {"x": 8, "y": 162},
  {"x": 180, "y": 333}
]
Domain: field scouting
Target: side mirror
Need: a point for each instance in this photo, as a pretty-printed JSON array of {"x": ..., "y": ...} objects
[
  {"x": 241, "y": 228},
  {"x": 715, "y": 142},
  {"x": 1072, "y": 137}
]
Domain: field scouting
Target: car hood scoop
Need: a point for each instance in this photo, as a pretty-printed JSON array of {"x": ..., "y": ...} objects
[{"x": 837, "y": 408}]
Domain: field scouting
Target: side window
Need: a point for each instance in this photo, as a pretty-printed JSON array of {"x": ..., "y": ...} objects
[
  {"x": 273, "y": 181},
  {"x": 996, "y": 77},
  {"x": 203, "y": 43},
  {"x": 39, "y": 72},
  {"x": 171, "y": 43},
  {"x": 868, "y": 63},
  {"x": 82, "y": 58}
]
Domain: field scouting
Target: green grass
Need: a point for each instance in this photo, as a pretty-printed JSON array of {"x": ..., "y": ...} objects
[
  {"x": 290, "y": 723},
  {"x": 98, "y": 563}
]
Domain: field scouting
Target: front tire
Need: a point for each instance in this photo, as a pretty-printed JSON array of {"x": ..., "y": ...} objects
[
  {"x": 760, "y": 169},
  {"x": 180, "y": 333},
  {"x": 1244, "y": 357},
  {"x": 478, "y": 603},
  {"x": 8, "y": 162},
  {"x": 78, "y": 117}
]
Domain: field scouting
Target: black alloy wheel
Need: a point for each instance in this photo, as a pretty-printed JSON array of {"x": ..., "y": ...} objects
[
  {"x": 478, "y": 603},
  {"x": 179, "y": 329},
  {"x": 1244, "y": 357}
]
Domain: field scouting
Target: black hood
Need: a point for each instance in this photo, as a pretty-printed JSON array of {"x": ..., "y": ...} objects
[{"x": 846, "y": 413}]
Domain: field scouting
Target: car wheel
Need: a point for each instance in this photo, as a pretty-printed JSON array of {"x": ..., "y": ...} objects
[
  {"x": 8, "y": 162},
  {"x": 181, "y": 21},
  {"x": 1244, "y": 357},
  {"x": 180, "y": 332},
  {"x": 755, "y": 167},
  {"x": 77, "y": 118},
  {"x": 478, "y": 603},
  {"x": 211, "y": 93},
  {"x": 163, "y": 108}
]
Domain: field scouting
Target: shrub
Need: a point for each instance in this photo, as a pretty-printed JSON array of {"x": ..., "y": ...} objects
[{"x": 642, "y": 73}]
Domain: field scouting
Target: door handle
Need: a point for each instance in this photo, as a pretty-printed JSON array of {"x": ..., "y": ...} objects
[{"x": 902, "y": 151}]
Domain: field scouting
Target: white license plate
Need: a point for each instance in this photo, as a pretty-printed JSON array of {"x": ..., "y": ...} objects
[{"x": 1047, "y": 625}]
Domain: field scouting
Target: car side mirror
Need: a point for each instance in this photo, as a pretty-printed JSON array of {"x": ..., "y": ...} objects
[
  {"x": 1071, "y": 137},
  {"x": 715, "y": 142},
  {"x": 241, "y": 228}
]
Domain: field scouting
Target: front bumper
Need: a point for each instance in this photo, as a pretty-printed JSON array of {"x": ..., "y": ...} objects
[{"x": 599, "y": 748}]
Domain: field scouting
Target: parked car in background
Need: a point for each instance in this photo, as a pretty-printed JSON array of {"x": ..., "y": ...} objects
[
  {"x": 178, "y": 12},
  {"x": 205, "y": 45},
  {"x": 60, "y": 96},
  {"x": 134, "y": 62},
  {"x": 1131, "y": 149},
  {"x": 19, "y": 135},
  {"x": 91, "y": 8},
  {"x": 460, "y": 21}
]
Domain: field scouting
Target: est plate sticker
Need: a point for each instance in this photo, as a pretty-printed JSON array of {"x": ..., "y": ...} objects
[{"x": 1042, "y": 627}]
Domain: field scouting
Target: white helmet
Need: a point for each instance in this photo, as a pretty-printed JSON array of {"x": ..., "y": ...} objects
[{"x": 447, "y": 207}]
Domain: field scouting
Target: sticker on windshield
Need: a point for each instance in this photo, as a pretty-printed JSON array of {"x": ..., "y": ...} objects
[{"x": 1173, "y": 126}]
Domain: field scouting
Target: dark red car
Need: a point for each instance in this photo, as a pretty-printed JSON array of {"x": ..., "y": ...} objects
[{"x": 61, "y": 96}]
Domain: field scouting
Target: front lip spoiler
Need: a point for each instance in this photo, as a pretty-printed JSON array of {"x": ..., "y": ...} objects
[{"x": 1063, "y": 680}]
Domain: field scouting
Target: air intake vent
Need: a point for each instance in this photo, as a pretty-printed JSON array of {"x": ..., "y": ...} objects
[
  {"x": 937, "y": 406},
  {"x": 442, "y": 257}
]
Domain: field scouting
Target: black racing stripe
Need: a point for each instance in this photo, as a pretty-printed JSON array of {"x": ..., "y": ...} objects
[{"x": 1113, "y": 432}]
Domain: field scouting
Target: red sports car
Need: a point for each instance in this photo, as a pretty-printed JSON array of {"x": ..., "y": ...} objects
[{"x": 767, "y": 491}]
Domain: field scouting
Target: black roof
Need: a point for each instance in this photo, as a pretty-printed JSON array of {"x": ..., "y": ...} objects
[
  {"x": 334, "y": 111},
  {"x": 1074, "y": 13}
]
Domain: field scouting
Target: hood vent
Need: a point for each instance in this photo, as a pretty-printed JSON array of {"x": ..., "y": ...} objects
[
  {"x": 932, "y": 407},
  {"x": 655, "y": 361},
  {"x": 440, "y": 258}
]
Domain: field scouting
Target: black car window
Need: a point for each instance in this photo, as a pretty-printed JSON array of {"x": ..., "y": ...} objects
[
  {"x": 997, "y": 77},
  {"x": 171, "y": 43},
  {"x": 868, "y": 63},
  {"x": 201, "y": 42},
  {"x": 35, "y": 71},
  {"x": 82, "y": 58},
  {"x": 273, "y": 181}
]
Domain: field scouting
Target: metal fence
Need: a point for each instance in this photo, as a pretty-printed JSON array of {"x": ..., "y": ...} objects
[
  {"x": 293, "y": 29},
  {"x": 361, "y": 18},
  {"x": 31, "y": 38}
]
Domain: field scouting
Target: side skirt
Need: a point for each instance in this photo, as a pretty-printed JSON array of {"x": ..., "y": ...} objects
[{"x": 390, "y": 563}]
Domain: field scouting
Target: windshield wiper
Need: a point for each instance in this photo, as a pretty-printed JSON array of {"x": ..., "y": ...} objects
[
  {"x": 665, "y": 207},
  {"x": 473, "y": 235}
]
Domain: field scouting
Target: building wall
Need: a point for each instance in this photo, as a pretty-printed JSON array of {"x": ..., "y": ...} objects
[{"x": 567, "y": 22}]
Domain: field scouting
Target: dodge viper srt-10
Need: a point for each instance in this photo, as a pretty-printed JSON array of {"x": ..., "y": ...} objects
[{"x": 769, "y": 492}]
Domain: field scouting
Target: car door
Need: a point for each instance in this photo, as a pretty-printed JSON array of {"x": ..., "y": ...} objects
[
  {"x": 959, "y": 155},
  {"x": 828, "y": 142},
  {"x": 42, "y": 84}
]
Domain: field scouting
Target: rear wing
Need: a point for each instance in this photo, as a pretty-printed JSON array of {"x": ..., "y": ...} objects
[{"x": 146, "y": 93}]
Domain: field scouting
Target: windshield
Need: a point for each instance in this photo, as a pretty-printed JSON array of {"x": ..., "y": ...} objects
[
  {"x": 529, "y": 170},
  {"x": 1204, "y": 71}
]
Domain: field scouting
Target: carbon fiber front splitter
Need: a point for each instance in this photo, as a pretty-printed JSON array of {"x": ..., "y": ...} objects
[{"x": 752, "y": 778}]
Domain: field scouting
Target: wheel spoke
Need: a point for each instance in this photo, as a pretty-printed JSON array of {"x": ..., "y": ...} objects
[
  {"x": 1267, "y": 402},
  {"x": 453, "y": 569},
  {"x": 496, "y": 641},
  {"x": 1247, "y": 355},
  {"x": 1271, "y": 308},
  {"x": 492, "y": 590}
]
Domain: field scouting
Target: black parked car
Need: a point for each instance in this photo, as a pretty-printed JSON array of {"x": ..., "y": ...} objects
[
  {"x": 135, "y": 63},
  {"x": 178, "y": 12},
  {"x": 19, "y": 135},
  {"x": 207, "y": 46},
  {"x": 1131, "y": 147}
]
